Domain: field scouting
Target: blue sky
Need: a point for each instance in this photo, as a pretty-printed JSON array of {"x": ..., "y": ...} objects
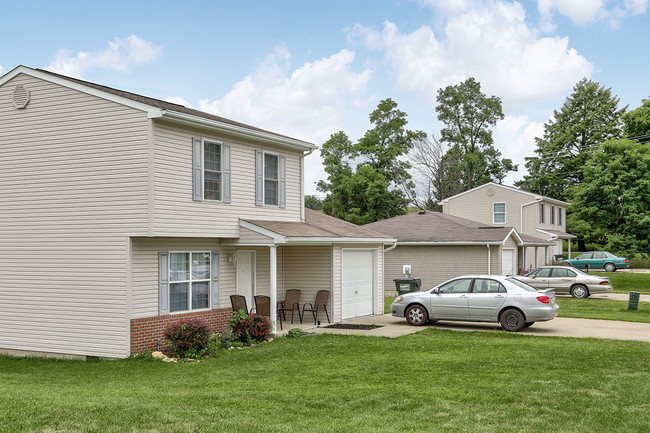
[{"x": 311, "y": 68}]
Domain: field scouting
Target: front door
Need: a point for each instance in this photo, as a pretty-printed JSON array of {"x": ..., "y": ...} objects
[
  {"x": 508, "y": 262},
  {"x": 246, "y": 276}
]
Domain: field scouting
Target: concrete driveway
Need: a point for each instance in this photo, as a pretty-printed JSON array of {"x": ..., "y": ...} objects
[{"x": 559, "y": 327}]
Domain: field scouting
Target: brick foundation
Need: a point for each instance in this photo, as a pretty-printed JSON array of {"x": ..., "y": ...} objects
[{"x": 146, "y": 331}]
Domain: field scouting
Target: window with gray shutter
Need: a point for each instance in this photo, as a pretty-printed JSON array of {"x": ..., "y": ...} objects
[
  {"x": 282, "y": 184},
  {"x": 163, "y": 283},
  {"x": 214, "y": 286},
  {"x": 197, "y": 169},
  {"x": 225, "y": 168},
  {"x": 259, "y": 178}
]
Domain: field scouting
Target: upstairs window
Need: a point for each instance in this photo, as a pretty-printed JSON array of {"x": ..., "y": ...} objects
[
  {"x": 499, "y": 213},
  {"x": 271, "y": 183},
  {"x": 559, "y": 216},
  {"x": 211, "y": 170},
  {"x": 552, "y": 214},
  {"x": 541, "y": 213}
]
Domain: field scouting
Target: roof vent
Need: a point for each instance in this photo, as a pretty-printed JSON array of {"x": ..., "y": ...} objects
[
  {"x": 20, "y": 96},
  {"x": 490, "y": 192},
  {"x": 422, "y": 212}
]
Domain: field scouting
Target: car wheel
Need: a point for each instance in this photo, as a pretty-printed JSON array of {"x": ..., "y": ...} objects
[
  {"x": 528, "y": 324},
  {"x": 512, "y": 320},
  {"x": 416, "y": 315},
  {"x": 579, "y": 291},
  {"x": 610, "y": 267}
]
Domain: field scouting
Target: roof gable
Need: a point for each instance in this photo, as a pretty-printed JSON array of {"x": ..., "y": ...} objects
[{"x": 509, "y": 188}]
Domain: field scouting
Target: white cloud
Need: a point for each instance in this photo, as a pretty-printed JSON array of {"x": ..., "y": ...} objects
[
  {"x": 584, "y": 12},
  {"x": 2, "y": 71},
  {"x": 515, "y": 136},
  {"x": 490, "y": 41},
  {"x": 121, "y": 55},
  {"x": 310, "y": 102},
  {"x": 178, "y": 100}
]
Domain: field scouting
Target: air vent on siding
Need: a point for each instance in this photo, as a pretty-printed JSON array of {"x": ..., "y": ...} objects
[{"x": 20, "y": 96}]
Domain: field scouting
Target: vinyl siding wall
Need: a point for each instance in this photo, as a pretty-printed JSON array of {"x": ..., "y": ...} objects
[
  {"x": 73, "y": 177},
  {"x": 176, "y": 214}
]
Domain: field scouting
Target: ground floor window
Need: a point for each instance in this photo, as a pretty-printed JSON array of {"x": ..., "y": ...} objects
[{"x": 189, "y": 281}]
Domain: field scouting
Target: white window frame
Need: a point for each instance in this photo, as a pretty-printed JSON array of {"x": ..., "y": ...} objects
[
  {"x": 494, "y": 213},
  {"x": 277, "y": 180},
  {"x": 552, "y": 215},
  {"x": 541, "y": 213},
  {"x": 559, "y": 216},
  {"x": 203, "y": 169},
  {"x": 189, "y": 282}
]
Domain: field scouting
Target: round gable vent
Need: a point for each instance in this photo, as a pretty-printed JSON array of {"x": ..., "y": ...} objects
[
  {"x": 490, "y": 192},
  {"x": 20, "y": 96}
]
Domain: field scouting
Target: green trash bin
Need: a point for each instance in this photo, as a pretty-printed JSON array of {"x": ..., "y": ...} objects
[
  {"x": 633, "y": 303},
  {"x": 406, "y": 285}
]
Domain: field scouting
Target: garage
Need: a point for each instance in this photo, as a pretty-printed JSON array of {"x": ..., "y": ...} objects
[{"x": 357, "y": 282}]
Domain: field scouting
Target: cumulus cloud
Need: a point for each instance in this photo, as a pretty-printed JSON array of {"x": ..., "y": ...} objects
[
  {"x": 310, "y": 102},
  {"x": 587, "y": 11},
  {"x": 121, "y": 55},
  {"x": 178, "y": 100},
  {"x": 490, "y": 41},
  {"x": 515, "y": 136}
]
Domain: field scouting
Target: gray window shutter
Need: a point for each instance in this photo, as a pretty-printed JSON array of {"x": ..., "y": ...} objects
[
  {"x": 214, "y": 284},
  {"x": 197, "y": 169},
  {"x": 282, "y": 182},
  {"x": 163, "y": 283},
  {"x": 259, "y": 179},
  {"x": 225, "y": 168}
]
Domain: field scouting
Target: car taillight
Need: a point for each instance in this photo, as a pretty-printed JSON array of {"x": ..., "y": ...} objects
[
  {"x": 544, "y": 299},
  {"x": 604, "y": 283},
  {"x": 624, "y": 260}
]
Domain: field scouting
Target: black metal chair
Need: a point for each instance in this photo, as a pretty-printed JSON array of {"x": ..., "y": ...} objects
[
  {"x": 263, "y": 307},
  {"x": 291, "y": 303}
]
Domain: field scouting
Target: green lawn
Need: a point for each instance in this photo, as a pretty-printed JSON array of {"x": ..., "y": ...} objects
[
  {"x": 593, "y": 308},
  {"x": 433, "y": 380},
  {"x": 624, "y": 282}
]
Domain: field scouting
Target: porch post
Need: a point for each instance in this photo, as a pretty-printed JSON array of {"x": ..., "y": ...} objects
[
  {"x": 273, "y": 271},
  {"x": 569, "y": 242},
  {"x": 545, "y": 255},
  {"x": 536, "y": 261},
  {"x": 525, "y": 267}
]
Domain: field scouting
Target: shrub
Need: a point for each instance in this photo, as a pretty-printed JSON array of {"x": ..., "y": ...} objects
[
  {"x": 296, "y": 332},
  {"x": 249, "y": 328},
  {"x": 187, "y": 338}
]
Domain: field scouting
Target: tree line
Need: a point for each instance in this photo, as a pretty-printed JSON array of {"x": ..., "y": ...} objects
[{"x": 591, "y": 154}]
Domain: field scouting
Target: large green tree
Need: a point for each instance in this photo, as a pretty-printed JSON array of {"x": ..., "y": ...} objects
[
  {"x": 637, "y": 121},
  {"x": 588, "y": 117},
  {"x": 611, "y": 206},
  {"x": 379, "y": 185},
  {"x": 469, "y": 116}
]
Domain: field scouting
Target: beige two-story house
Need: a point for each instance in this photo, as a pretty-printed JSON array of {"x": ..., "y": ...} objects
[
  {"x": 531, "y": 214},
  {"x": 120, "y": 214}
]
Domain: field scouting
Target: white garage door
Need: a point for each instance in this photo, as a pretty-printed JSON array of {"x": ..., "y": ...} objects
[
  {"x": 508, "y": 262},
  {"x": 357, "y": 282}
]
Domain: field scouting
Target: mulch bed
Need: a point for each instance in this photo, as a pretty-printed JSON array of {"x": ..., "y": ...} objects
[{"x": 352, "y": 326}]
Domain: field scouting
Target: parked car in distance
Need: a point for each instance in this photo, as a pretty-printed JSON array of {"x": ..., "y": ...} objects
[
  {"x": 563, "y": 279},
  {"x": 599, "y": 260},
  {"x": 478, "y": 298}
]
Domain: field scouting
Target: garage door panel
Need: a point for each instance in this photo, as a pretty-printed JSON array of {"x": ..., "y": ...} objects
[{"x": 357, "y": 275}]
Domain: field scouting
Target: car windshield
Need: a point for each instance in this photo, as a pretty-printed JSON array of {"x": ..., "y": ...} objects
[{"x": 521, "y": 284}]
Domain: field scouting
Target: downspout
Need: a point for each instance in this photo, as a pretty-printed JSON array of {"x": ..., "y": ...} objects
[
  {"x": 521, "y": 215},
  {"x": 390, "y": 248},
  {"x": 489, "y": 260},
  {"x": 302, "y": 183}
]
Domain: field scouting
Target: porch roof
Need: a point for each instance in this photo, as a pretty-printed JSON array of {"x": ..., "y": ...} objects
[
  {"x": 557, "y": 233},
  {"x": 317, "y": 227},
  {"x": 532, "y": 241}
]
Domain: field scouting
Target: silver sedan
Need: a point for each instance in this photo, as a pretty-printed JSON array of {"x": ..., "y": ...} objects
[
  {"x": 564, "y": 279},
  {"x": 478, "y": 298}
]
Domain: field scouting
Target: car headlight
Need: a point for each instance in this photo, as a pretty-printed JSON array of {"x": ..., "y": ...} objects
[{"x": 399, "y": 299}]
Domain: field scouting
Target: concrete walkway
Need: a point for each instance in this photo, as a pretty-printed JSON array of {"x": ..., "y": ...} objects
[{"x": 559, "y": 327}]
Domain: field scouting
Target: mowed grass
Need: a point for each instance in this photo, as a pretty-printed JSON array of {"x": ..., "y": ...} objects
[
  {"x": 606, "y": 309},
  {"x": 624, "y": 282},
  {"x": 433, "y": 380}
]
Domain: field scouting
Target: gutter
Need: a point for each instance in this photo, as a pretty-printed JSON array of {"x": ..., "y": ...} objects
[{"x": 391, "y": 247}]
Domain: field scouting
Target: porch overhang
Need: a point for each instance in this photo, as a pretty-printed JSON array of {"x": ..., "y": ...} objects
[{"x": 557, "y": 234}]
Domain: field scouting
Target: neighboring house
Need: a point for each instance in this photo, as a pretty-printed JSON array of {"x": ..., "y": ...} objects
[
  {"x": 122, "y": 214},
  {"x": 438, "y": 247},
  {"x": 532, "y": 215}
]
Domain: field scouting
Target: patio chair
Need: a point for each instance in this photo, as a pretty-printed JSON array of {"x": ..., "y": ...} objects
[
  {"x": 263, "y": 307},
  {"x": 238, "y": 302},
  {"x": 291, "y": 303},
  {"x": 322, "y": 296}
]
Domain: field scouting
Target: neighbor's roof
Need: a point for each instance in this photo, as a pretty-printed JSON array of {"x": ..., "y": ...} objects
[
  {"x": 436, "y": 227},
  {"x": 560, "y": 234},
  {"x": 167, "y": 108},
  {"x": 318, "y": 225},
  {"x": 511, "y": 188}
]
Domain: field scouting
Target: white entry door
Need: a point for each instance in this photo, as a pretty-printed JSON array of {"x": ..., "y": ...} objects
[
  {"x": 357, "y": 282},
  {"x": 246, "y": 276},
  {"x": 508, "y": 266}
]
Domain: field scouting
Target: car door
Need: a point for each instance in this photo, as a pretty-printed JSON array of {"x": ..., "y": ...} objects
[
  {"x": 540, "y": 279},
  {"x": 451, "y": 300},
  {"x": 485, "y": 299},
  {"x": 561, "y": 280},
  {"x": 582, "y": 260},
  {"x": 598, "y": 260}
]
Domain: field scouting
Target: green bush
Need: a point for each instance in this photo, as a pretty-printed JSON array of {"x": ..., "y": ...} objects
[
  {"x": 187, "y": 338},
  {"x": 296, "y": 332},
  {"x": 249, "y": 328}
]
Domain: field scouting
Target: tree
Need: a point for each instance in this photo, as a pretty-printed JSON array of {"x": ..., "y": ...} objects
[
  {"x": 378, "y": 186},
  {"x": 637, "y": 121},
  {"x": 469, "y": 115},
  {"x": 587, "y": 118},
  {"x": 611, "y": 207},
  {"x": 313, "y": 202}
]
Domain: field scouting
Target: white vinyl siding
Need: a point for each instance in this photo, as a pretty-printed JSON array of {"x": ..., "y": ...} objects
[
  {"x": 176, "y": 214},
  {"x": 73, "y": 170}
]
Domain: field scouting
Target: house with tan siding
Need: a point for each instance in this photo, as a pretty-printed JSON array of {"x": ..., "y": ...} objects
[
  {"x": 122, "y": 214},
  {"x": 532, "y": 214},
  {"x": 436, "y": 247}
]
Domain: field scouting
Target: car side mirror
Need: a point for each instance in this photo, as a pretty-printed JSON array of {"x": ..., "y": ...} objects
[{"x": 435, "y": 290}]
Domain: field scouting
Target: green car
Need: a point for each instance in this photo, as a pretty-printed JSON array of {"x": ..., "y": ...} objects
[{"x": 599, "y": 260}]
